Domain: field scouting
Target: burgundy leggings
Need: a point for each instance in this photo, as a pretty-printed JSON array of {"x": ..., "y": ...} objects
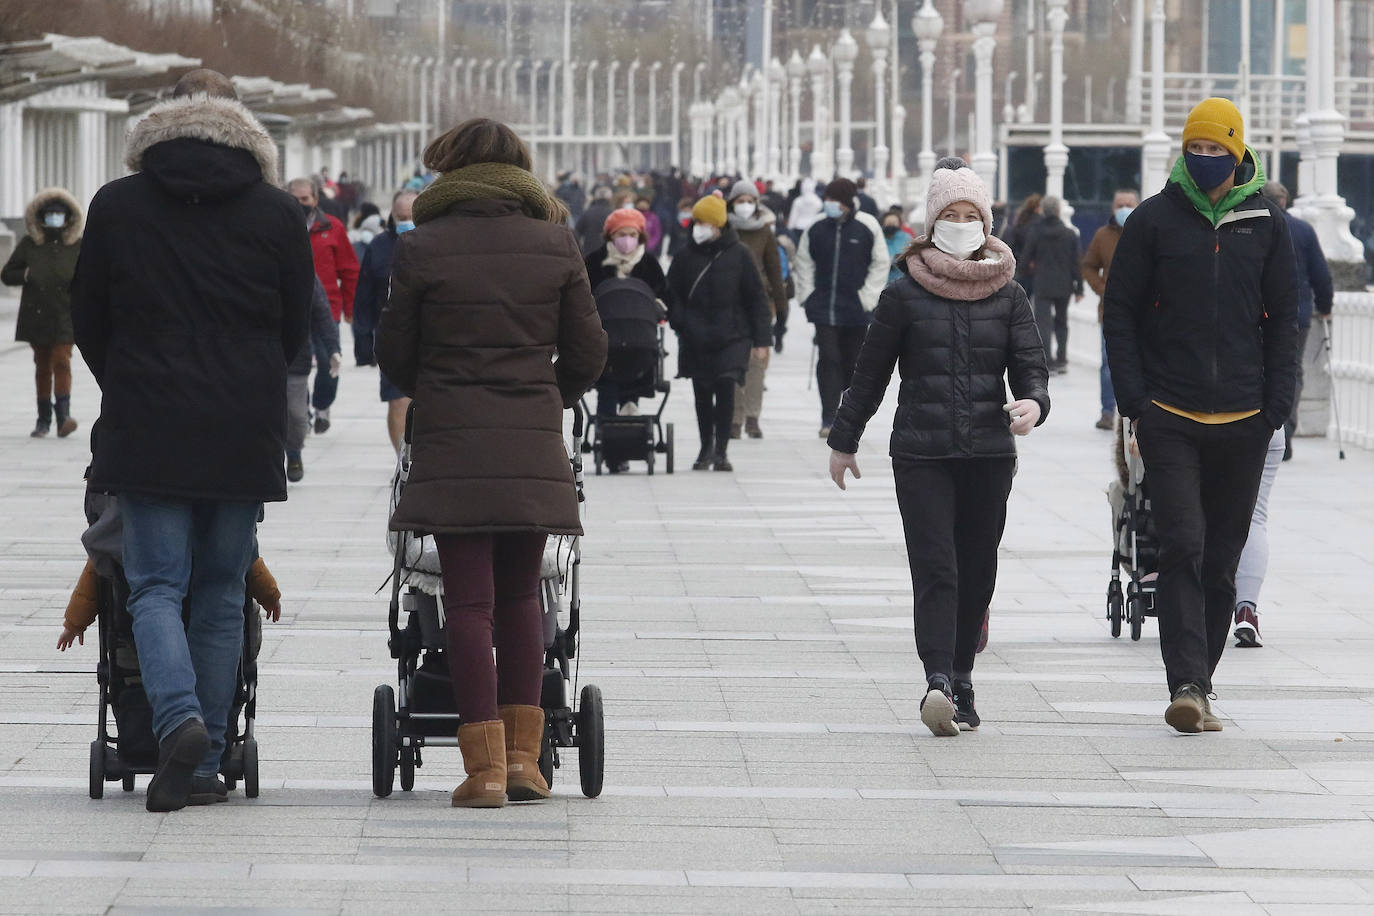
[{"x": 491, "y": 589}]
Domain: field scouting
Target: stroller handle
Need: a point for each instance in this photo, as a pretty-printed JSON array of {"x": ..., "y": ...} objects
[
  {"x": 410, "y": 423},
  {"x": 579, "y": 420}
]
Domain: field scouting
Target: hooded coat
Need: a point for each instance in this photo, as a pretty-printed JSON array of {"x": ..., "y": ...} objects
[
  {"x": 191, "y": 296},
  {"x": 43, "y": 265}
]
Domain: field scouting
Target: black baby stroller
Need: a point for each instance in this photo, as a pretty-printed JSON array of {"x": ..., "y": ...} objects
[
  {"x": 633, "y": 320},
  {"x": 132, "y": 750},
  {"x": 1134, "y": 543},
  {"x": 421, "y": 713}
]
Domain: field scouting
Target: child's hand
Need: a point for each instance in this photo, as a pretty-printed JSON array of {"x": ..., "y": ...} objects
[
  {"x": 272, "y": 611},
  {"x": 68, "y": 637}
]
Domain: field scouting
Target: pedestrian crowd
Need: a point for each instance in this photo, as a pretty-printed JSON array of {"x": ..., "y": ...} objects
[{"x": 475, "y": 294}]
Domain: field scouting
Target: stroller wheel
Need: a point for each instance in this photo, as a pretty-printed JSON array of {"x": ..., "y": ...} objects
[
  {"x": 1116, "y": 610},
  {"x": 591, "y": 741},
  {"x": 668, "y": 449},
  {"x": 383, "y": 740},
  {"x": 250, "y": 767},
  {"x": 1135, "y": 610},
  {"x": 128, "y": 782},
  {"x": 97, "y": 769},
  {"x": 407, "y": 769}
]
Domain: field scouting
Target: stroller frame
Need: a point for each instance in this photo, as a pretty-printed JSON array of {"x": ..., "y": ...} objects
[
  {"x": 240, "y": 761},
  {"x": 400, "y": 733},
  {"x": 637, "y": 437},
  {"x": 1138, "y": 601}
]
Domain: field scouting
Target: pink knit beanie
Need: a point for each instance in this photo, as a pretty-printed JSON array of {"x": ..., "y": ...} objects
[{"x": 951, "y": 185}]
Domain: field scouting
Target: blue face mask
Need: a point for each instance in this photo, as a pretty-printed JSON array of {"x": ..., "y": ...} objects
[
  {"x": 1209, "y": 171},
  {"x": 1121, "y": 214},
  {"x": 833, "y": 209},
  {"x": 404, "y": 225}
]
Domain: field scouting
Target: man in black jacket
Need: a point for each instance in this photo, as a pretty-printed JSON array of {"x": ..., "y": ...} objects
[
  {"x": 1200, "y": 318},
  {"x": 1051, "y": 256},
  {"x": 191, "y": 296}
]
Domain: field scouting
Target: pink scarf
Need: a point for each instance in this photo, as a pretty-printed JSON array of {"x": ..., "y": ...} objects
[{"x": 967, "y": 281}]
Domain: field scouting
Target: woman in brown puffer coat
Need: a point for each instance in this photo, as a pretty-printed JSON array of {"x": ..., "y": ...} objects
[{"x": 485, "y": 291}]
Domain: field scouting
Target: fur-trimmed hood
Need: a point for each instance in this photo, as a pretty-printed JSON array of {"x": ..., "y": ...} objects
[
  {"x": 225, "y": 122},
  {"x": 71, "y": 233}
]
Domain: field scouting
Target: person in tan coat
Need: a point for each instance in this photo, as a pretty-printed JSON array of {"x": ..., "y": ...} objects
[
  {"x": 1096, "y": 264},
  {"x": 485, "y": 291},
  {"x": 754, "y": 223}
]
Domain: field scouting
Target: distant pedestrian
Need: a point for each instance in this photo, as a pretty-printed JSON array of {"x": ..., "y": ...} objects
[
  {"x": 571, "y": 193},
  {"x": 1051, "y": 256},
  {"x": 841, "y": 269},
  {"x": 1201, "y": 322},
  {"x": 190, "y": 350},
  {"x": 374, "y": 285},
  {"x": 953, "y": 326},
  {"x": 805, "y": 209},
  {"x": 719, "y": 308},
  {"x": 897, "y": 240},
  {"x": 43, "y": 263},
  {"x": 367, "y": 224},
  {"x": 1017, "y": 234},
  {"x": 653, "y": 229},
  {"x": 1314, "y": 293},
  {"x": 593, "y": 219},
  {"x": 337, "y": 267},
  {"x": 1096, "y": 267},
  {"x": 754, "y": 223},
  {"x": 866, "y": 202},
  {"x": 324, "y": 335},
  {"x": 492, "y": 329}
]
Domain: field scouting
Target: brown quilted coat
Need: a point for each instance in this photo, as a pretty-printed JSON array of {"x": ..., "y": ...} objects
[{"x": 482, "y": 298}]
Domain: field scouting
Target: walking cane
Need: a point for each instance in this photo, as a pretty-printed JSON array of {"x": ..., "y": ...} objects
[{"x": 1331, "y": 373}]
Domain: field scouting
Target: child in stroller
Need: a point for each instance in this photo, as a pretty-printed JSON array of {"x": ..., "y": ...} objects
[
  {"x": 1134, "y": 543},
  {"x": 101, "y": 597},
  {"x": 633, "y": 319}
]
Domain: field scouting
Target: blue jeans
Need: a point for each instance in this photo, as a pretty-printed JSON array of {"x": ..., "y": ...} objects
[
  {"x": 172, "y": 548},
  {"x": 1104, "y": 380},
  {"x": 326, "y": 386}
]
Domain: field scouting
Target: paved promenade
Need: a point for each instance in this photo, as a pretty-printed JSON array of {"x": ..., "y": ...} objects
[{"x": 751, "y": 633}]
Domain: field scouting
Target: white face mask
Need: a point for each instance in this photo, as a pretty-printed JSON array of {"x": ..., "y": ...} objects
[
  {"x": 702, "y": 233},
  {"x": 958, "y": 239},
  {"x": 744, "y": 209}
]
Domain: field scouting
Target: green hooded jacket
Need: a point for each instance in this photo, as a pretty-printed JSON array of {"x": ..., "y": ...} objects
[{"x": 1249, "y": 165}]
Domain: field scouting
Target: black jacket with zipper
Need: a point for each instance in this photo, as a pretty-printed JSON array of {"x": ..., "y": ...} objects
[
  {"x": 1199, "y": 317},
  {"x": 952, "y": 357}
]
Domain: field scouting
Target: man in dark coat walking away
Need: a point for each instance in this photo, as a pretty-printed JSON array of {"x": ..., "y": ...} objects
[
  {"x": 1201, "y": 324},
  {"x": 1051, "y": 259},
  {"x": 374, "y": 284},
  {"x": 190, "y": 350},
  {"x": 593, "y": 220}
]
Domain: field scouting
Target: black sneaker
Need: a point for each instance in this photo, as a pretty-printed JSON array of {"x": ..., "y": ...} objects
[
  {"x": 321, "y": 422},
  {"x": 207, "y": 790},
  {"x": 964, "y": 713},
  {"x": 937, "y": 708},
  {"x": 178, "y": 755},
  {"x": 703, "y": 462}
]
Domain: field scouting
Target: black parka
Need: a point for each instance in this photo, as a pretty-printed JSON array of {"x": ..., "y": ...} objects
[
  {"x": 191, "y": 296},
  {"x": 43, "y": 263},
  {"x": 952, "y": 357},
  {"x": 1050, "y": 258},
  {"x": 1199, "y": 317},
  {"x": 718, "y": 307}
]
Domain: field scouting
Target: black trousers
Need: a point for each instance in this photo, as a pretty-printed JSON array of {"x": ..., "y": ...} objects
[
  {"x": 1052, "y": 316},
  {"x": 953, "y": 512},
  {"x": 1290, "y": 426},
  {"x": 837, "y": 352},
  {"x": 715, "y": 402},
  {"x": 1202, "y": 481}
]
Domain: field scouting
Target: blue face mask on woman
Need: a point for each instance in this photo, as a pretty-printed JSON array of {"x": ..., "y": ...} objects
[
  {"x": 404, "y": 225},
  {"x": 1209, "y": 172},
  {"x": 833, "y": 209}
]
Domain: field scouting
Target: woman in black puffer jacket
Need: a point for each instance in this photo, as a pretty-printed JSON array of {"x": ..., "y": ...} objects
[{"x": 956, "y": 323}]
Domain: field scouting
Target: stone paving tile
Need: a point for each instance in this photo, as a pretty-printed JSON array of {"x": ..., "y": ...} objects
[{"x": 751, "y": 633}]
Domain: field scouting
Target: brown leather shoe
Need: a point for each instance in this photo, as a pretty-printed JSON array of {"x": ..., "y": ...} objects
[
  {"x": 751, "y": 428},
  {"x": 484, "y": 759},
  {"x": 524, "y": 738}
]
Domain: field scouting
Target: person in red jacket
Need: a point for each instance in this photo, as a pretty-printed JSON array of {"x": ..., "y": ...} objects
[{"x": 337, "y": 267}]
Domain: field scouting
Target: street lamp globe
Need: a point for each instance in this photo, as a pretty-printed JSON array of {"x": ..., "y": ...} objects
[
  {"x": 879, "y": 34},
  {"x": 927, "y": 24},
  {"x": 846, "y": 49},
  {"x": 983, "y": 10}
]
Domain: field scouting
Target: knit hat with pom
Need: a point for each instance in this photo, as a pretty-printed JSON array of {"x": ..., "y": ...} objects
[{"x": 951, "y": 182}]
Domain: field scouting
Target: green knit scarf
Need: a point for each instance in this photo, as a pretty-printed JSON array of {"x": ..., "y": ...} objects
[{"x": 484, "y": 181}]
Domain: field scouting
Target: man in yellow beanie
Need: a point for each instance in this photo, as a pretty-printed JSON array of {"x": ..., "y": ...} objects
[{"x": 1200, "y": 316}]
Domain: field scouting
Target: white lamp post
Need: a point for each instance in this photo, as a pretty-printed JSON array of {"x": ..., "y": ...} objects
[
  {"x": 611, "y": 70},
  {"x": 1154, "y": 154},
  {"x": 676, "y": 126},
  {"x": 653, "y": 96},
  {"x": 630, "y": 98},
  {"x": 821, "y": 164},
  {"x": 758, "y": 88},
  {"x": 1135, "y": 108},
  {"x": 1008, "y": 107},
  {"x": 535, "y": 67},
  {"x": 879, "y": 37},
  {"x": 742, "y": 124},
  {"x": 777, "y": 78},
  {"x": 927, "y": 25},
  {"x": 708, "y": 141},
  {"x": 1056, "y": 153},
  {"x": 729, "y": 126},
  {"x": 796, "y": 72},
  {"x": 1326, "y": 209},
  {"x": 845, "y": 52},
  {"x": 482, "y": 77},
  {"x": 984, "y": 15},
  {"x": 590, "y": 90}
]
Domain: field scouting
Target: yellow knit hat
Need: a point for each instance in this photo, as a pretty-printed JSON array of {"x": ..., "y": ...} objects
[
  {"x": 1217, "y": 120},
  {"x": 711, "y": 210}
]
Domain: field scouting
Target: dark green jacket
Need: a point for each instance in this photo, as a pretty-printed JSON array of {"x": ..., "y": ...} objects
[{"x": 43, "y": 266}]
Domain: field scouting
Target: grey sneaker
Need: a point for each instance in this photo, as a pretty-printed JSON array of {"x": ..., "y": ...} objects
[
  {"x": 937, "y": 709},
  {"x": 1187, "y": 711}
]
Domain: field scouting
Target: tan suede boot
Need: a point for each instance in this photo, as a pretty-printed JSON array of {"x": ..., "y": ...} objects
[
  {"x": 524, "y": 738},
  {"x": 484, "y": 758}
]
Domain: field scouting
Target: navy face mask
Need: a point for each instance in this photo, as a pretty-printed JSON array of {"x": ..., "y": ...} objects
[{"x": 1209, "y": 171}]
